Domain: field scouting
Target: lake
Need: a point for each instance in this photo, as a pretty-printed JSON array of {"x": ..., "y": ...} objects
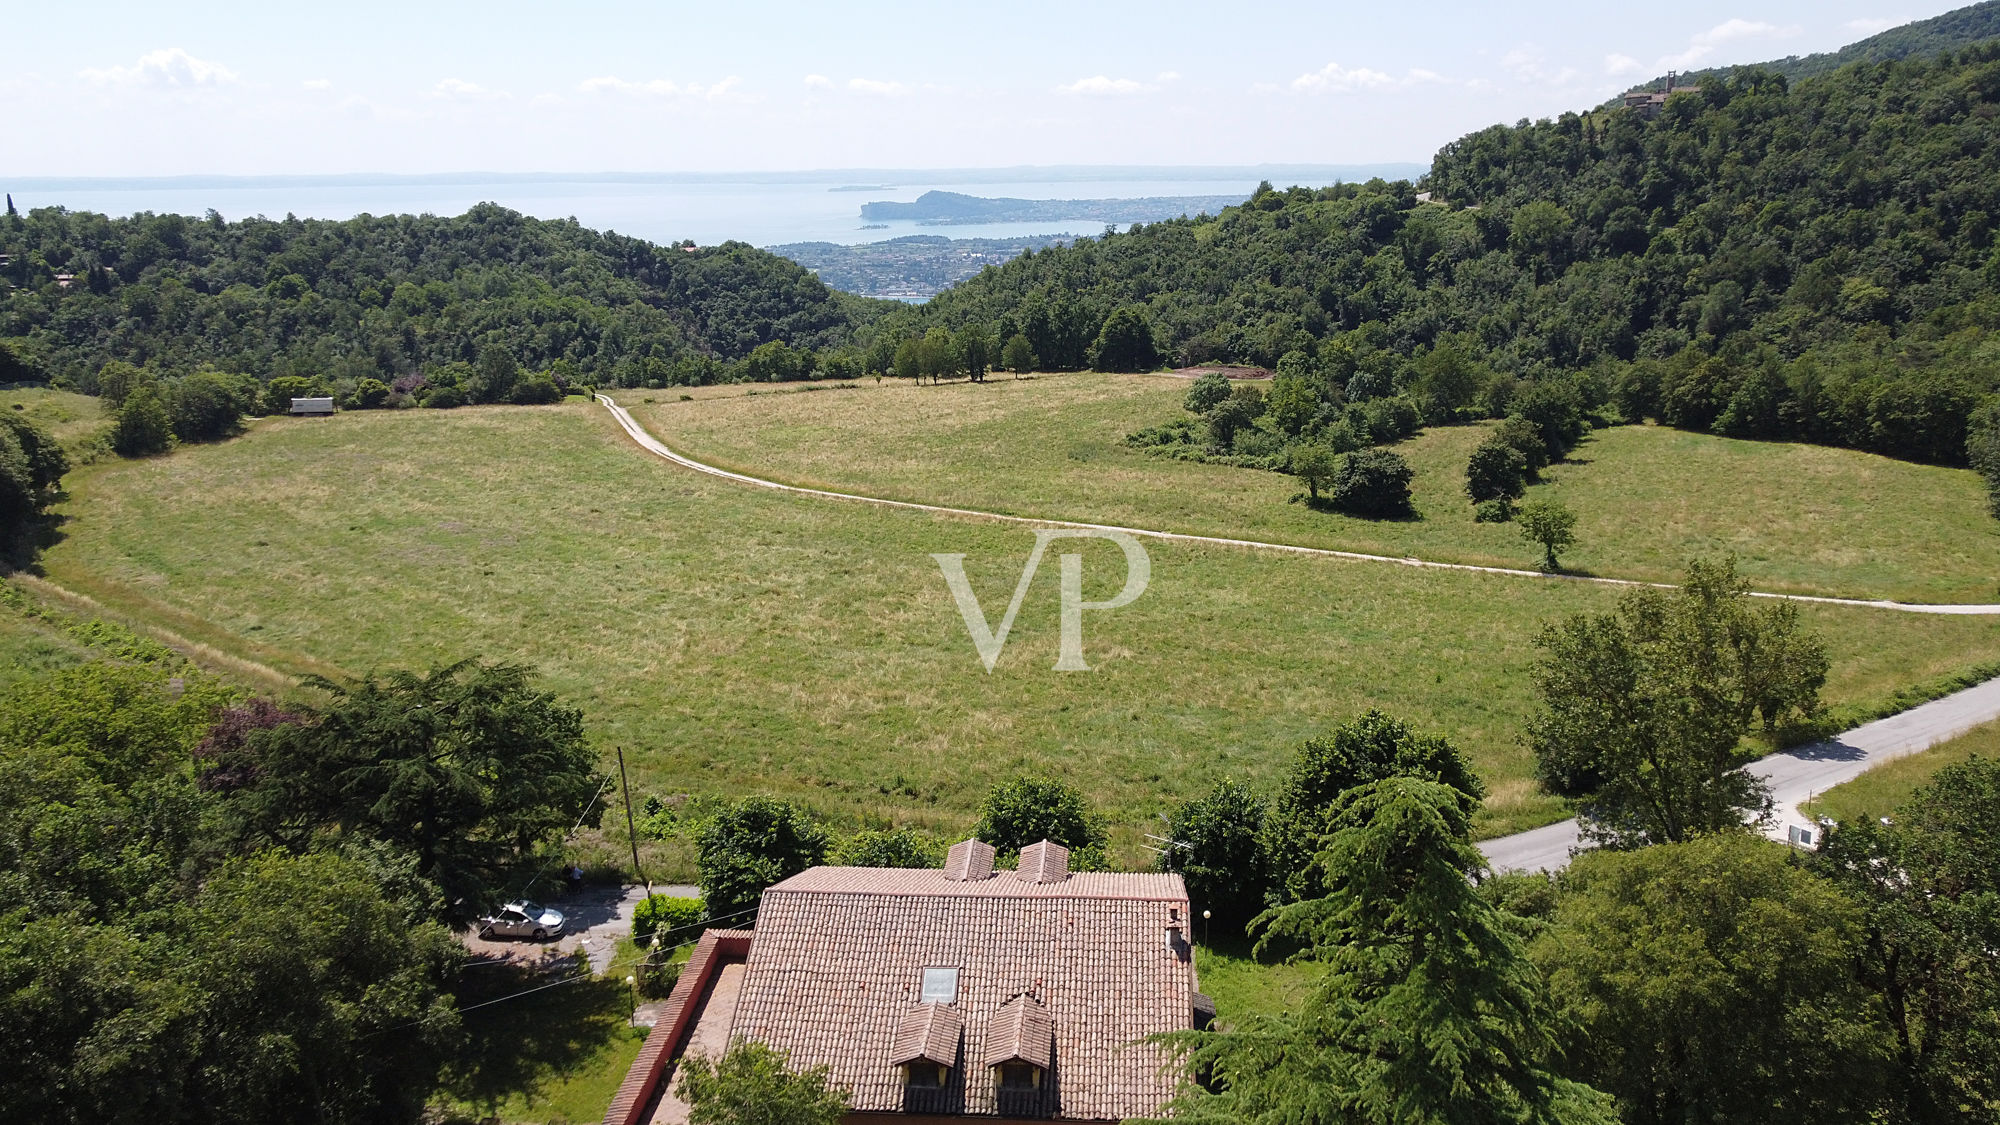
[{"x": 763, "y": 209}]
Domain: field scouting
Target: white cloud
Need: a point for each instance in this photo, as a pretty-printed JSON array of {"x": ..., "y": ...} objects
[
  {"x": 168, "y": 67},
  {"x": 460, "y": 88},
  {"x": 658, "y": 87},
  {"x": 1870, "y": 27},
  {"x": 1337, "y": 79},
  {"x": 1167, "y": 76},
  {"x": 318, "y": 84},
  {"x": 819, "y": 82},
  {"x": 1617, "y": 65},
  {"x": 1102, "y": 85},
  {"x": 1703, "y": 44}
]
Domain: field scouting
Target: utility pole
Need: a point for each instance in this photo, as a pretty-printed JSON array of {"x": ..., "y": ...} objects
[{"x": 631, "y": 829}]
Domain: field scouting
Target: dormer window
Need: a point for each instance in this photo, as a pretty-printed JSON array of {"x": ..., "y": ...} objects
[
  {"x": 924, "y": 1075},
  {"x": 1019, "y": 1076}
]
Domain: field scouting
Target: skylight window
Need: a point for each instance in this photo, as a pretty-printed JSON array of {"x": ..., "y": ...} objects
[{"x": 940, "y": 986}]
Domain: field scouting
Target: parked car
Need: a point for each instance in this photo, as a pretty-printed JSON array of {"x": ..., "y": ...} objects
[{"x": 522, "y": 920}]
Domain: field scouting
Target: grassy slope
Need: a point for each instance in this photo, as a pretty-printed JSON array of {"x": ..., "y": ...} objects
[
  {"x": 736, "y": 641},
  {"x": 28, "y": 647},
  {"x": 1803, "y": 518},
  {"x": 70, "y": 417},
  {"x": 1880, "y": 791}
]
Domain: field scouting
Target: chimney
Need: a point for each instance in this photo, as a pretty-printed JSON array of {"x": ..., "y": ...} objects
[
  {"x": 1046, "y": 862},
  {"x": 968, "y": 862}
]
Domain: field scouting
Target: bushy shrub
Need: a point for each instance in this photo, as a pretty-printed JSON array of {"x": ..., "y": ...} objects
[
  {"x": 894, "y": 847},
  {"x": 1028, "y": 810},
  {"x": 751, "y": 845},
  {"x": 1496, "y": 471},
  {"x": 1525, "y": 438},
  {"x": 1493, "y": 511},
  {"x": 1218, "y": 848},
  {"x": 667, "y": 916},
  {"x": 536, "y": 390},
  {"x": 1374, "y": 483}
]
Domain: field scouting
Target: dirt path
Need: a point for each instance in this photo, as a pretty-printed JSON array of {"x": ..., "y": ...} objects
[{"x": 653, "y": 445}]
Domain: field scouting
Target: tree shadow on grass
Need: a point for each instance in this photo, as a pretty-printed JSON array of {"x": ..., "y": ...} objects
[{"x": 522, "y": 1046}]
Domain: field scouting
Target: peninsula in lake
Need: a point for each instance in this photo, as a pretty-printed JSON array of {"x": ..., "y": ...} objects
[{"x": 944, "y": 208}]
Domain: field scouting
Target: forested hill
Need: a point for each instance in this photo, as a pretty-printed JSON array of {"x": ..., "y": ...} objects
[
  {"x": 1951, "y": 31},
  {"x": 1827, "y": 245},
  {"x": 390, "y": 297}
]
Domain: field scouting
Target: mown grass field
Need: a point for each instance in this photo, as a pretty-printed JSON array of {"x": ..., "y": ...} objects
[
  {"x": 737, "y": 641},
  {"x": 1801, "y": 519},
  {"x": 1884, "y": 789},
  {"x": 72, "y": 418}
]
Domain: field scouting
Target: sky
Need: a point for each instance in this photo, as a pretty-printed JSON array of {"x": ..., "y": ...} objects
[{"x": 315, "y": 88}]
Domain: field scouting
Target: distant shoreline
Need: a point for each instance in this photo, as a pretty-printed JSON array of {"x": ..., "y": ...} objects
[{"x": 860, "y": 179}]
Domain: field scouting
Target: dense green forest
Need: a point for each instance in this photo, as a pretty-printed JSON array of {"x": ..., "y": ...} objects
[
  {"x": 392, "y": 298},
  {"x": 1948, "y": 32},
  {"x": 1765, "y": 259}
]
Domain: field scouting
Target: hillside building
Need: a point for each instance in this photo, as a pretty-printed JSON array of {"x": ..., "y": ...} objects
[{"x": 1025, "y": 995}]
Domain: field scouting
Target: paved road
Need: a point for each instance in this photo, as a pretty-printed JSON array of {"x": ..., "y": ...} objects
[
  {"x": 1795, "y": 775},
  {"x": 653, "y": 445}
]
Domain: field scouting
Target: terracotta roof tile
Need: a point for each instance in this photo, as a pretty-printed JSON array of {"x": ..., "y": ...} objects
[
  {"x": 839, "y": 955},
  {"x": 1046, "y": 862},
  {"x": 928, "y": 1031},
  {"x": 1020, "y": 1032},
  {"x": 969, "y": 861}
]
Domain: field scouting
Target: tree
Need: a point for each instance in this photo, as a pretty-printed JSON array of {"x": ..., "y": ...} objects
[
  {"x": 1126, "y": 341},
  {"x": 1233, "y": 415},
  {"x": 909, "y": 358},
  {"x": 371, "y": 394},
  {"x": 1293, "y": 402},
  {"x": 1370, "y": 747},
  {"x": 32, "y": 464},
  {"x": 116, "y": 379},
  {"x": 1216, "y": 844},
  {"x": 1643, "y": 709},
  {"x": 1315, "y": 465},
  {"x": 205, "y": 406},
  {"x": 1373, "y": 483},
  {"x": 150, "y": 972},
  {"x": 1428, "y": 1011},
  {"x": 1207, "y": 393},
  {"x": 468, "y": 766},
  {"x": 975, "y": 350},
  {"x": 1685, "y": 1008},
  {"x": 889, "y": 847},
  {"x": 752, "y": 1084},
  {"x": 144, "y": 427},
  {"x": 1525, "y": 438},
  {"x": 1495, "y": 471},
  {"x": 279, "y": 392},
  {"x": 1931, "y": 896},
  {"x": 1555, "y": 406},
  {"x": 1018, "y": 355},
  {"x": 1982, "y": 449},
  {"x": 938, "y": 355},
  {"x": 494, "y": 379},
  {"x": 750, "y": 845},
  {"x": 1028, "y": 810},
  {"x": 1550, "y": 525}
]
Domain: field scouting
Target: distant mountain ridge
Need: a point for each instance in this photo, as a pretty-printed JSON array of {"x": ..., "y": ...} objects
[
  {"x": 944, "y": 208},
  {"x": 1961, "y": 27}
]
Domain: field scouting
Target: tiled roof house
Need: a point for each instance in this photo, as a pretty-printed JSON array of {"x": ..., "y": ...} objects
[{"x": 961, "y": 992}]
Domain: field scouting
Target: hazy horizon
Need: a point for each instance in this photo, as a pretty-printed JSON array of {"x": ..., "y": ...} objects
[{"x": 144, "y": 90}]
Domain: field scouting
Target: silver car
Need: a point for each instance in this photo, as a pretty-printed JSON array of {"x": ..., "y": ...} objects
[{"x": 522, "y": 920}]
